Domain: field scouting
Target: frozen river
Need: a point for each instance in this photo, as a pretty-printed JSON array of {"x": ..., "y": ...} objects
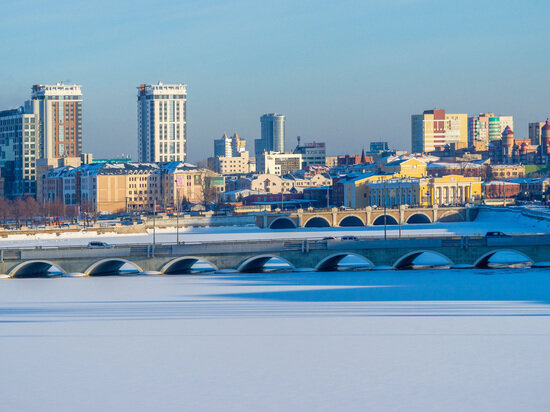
[{"x": 411, "y": 340}]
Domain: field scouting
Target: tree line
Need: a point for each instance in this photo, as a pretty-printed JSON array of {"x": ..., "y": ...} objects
[{"x": 28, "y": 211}]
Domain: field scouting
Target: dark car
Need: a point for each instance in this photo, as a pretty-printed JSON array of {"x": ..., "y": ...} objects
[
  {"x": 99, "y": 245},
  {"x": 350, "y": 238},
  {"x": 496, "y": 234}
]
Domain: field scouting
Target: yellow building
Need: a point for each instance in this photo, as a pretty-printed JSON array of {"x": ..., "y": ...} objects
[
  {"x": 356, "y": 189},
  {"x": 454, "y": 189},
  {"x": 425, "y": 192},
  {"x": 506, "y": 171},
  {"x": 406, "y": 168}
]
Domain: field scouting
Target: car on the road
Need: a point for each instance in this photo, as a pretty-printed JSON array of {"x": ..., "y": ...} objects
[
  {"x": 496, "y": 234},
  {"x": 99, "y": 245},
  {"x": 329, "y": 238},
  {"x": 350, "y": 238}
]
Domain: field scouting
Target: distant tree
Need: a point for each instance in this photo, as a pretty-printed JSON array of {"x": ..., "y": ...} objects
[
  {"x": 202, "y": 164},
  {"x": 6, "y": 210},
  {"x": 58, "y": 209},
  {"x": 208, "y": 192},
  {"x": 20, "y": 211},
  {"x": 32, "y": 208}
]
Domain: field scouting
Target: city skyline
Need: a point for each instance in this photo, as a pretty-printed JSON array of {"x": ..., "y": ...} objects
[{"x": 369, "y": 61}]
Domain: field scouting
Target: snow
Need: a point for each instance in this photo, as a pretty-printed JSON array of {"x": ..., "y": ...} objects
[
  {"x": 453, "y": 340},
  {"x": 487, "y": 221}
]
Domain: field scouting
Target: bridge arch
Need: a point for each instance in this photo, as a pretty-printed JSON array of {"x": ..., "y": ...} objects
[
  {"x": 256, "y": 264},
  {"x": 379, "y": 221},
  {"x": 419, "y": 218},
  {"x": 282, "y": 223},
  {"x": 111, "y": 267},
  {"x": 330, "y": 263},
  {"x": 483, "y": 261},
  {"x": 317, "y": 221},
  {"x": 451, "y": 216},
  {"x": 351, "y": 220},
  {"x": 184, "y": 265},
  {"x": 35, "y": 269},
  {"x": 407, "y": 261}
]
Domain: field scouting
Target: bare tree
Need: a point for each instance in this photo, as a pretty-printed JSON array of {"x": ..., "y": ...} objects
[
  {"x": 32, "y": 209},
  {"x": 58, "y": 209},
  {"x": 6, "y": 210},
  {"x": 20, "y": 211},
  {"x": 208, "y": 192}
]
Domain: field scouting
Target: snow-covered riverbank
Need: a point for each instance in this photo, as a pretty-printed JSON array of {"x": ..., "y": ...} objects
[{"x": 487, "y": 220}]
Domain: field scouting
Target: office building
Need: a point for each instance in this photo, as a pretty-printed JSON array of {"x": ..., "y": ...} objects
[
  {"x": 313, "y": 154},
  {"x": 278, "y": 164},
  {"x": 485, "y": 128},
  {"x": 19, "y": 146},
  {"x": 435, "y": 129},
  {"x": 535, "y": 132},
  {"x": 59, "y": 111},
  {"x": 379, "y": 147},
  {"x": 272, "y": 134},
  {"x": 162, "y": 126}
]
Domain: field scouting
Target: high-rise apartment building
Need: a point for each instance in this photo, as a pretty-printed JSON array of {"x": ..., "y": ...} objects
[
  {"x": 535, "y": 132},
  {"x": 229, "y": 146},
  {"x": 485, "y": 128},
  {"x": 434, "y": 129},
  {"x": 162, "y": 126},
  {"x": 59, "y": 111},
  {"x": 18, "y": 151},
  {"x": 273, "y": 134}
]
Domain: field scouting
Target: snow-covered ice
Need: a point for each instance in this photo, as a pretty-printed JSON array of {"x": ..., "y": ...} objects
[
  {"x": 453, "y": 340},
  {"x": 487, "y": 221}
]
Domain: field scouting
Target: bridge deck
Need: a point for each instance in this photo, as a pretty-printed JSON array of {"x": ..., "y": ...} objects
[{"x": 299, "y": 252}]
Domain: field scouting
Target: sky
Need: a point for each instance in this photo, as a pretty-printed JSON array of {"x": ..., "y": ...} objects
[{"x": 344, "y": 72}]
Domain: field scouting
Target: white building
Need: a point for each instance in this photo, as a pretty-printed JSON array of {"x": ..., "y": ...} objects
[
  {"x": 278, "y": 164},
  {"x": 59, "y": 111},
  {"x": 162, "y": 135},
  {"x": 231, "y": 165},
  {"x": 229, "y": 146}
]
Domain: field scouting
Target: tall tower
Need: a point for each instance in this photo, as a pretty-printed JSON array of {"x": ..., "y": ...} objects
[
  {"x": 59, "y": 111},
  {"x": 545, "y": 137},
  {"x": 508, "y": 141},
  {"x": 162, "y": 125},
  {"x": 273, "y": 134}
]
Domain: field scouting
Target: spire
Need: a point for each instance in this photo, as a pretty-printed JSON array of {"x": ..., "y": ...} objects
[{"x": 363, "y": 157}]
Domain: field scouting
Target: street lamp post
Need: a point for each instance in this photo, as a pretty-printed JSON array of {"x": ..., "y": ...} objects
[
  {"x": 399, "y": 211},
  {"x": 178, "y": 217},
  {"x": 385, "y": 216},
  {"x": 154, "y": 225}
]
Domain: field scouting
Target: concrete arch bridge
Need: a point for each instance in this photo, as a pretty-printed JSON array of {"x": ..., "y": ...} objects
[
  {"x": 369, "y": 216},
  {"x": 257, "y": 255}
]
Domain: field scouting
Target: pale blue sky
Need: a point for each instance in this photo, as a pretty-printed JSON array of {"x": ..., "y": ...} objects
[{"x": 344, "y": 72}]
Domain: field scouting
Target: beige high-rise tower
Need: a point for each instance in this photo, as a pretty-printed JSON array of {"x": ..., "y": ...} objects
[{"x": 434, "y": 129}]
